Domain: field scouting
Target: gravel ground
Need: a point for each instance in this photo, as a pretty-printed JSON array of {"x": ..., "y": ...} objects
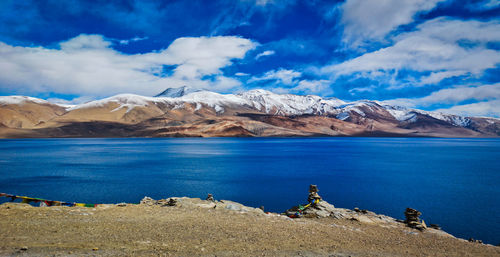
[{"x": 140, "y": 230}]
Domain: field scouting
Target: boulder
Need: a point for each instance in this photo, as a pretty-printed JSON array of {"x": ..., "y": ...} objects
[
  {"x": 363, "y": 219},
  {"x": 148, "y": 201}
]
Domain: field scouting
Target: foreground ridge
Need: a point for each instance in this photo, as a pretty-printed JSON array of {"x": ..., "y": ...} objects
[
  {"x": 194, "y": 227},
  {"x": 186, "y": 112}
]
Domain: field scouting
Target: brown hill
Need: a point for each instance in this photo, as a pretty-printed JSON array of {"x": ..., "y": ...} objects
[{"x": 214, "y": 115}]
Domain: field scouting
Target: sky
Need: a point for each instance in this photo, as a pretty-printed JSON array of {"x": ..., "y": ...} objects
[{"x": 436, "y": 55}]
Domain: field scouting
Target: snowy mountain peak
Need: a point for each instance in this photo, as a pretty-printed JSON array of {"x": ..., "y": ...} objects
[
  {"x": 256, "y": 92},
  {"x": 177, "y": 91}
]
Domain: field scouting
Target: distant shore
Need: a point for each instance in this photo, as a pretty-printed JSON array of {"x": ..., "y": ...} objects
[{"x": 194, "y": 227}]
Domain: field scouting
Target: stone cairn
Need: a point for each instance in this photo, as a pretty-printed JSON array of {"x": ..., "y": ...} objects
[
  {"x": 413, "y": 220},
  {"x": 313, "y": 197},
  {"x": 316, "y": 208},
  {"x": 210, "y": 198}
]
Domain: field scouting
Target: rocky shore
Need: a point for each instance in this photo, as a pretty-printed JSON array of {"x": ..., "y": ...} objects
[{"x": 181, "y": 226}]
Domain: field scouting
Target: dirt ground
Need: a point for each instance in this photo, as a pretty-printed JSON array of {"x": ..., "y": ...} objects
[{"x": 140, "y": 230}]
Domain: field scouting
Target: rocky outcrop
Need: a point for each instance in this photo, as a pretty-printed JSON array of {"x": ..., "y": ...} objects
[
  {"x": 319, "y": 208},
  {"x": 413, "y": 220},
  {"x": 186, "y": 202}
]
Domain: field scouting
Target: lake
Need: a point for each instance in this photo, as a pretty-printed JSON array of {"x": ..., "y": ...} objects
[{"x": 453, "y": 182}]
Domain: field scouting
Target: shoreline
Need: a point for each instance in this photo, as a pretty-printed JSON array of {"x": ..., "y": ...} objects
[{"x": 196, "y": 227}]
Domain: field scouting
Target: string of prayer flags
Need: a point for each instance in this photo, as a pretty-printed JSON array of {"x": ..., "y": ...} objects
[{"x": 45, "y": 202}]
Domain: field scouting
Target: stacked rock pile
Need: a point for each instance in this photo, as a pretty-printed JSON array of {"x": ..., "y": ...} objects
[
  {"x": 315, "y": 208},
  {"x": 413, "y": 220},
  {"x": 210, "y": 198},
  {"x": 313, "y": 194}
]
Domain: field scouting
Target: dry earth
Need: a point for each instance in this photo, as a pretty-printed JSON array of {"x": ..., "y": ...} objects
[{"x": 195, "y": 228}]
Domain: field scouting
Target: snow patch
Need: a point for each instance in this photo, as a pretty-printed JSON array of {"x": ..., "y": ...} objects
[
  {"x": 453, "y": 119},
  {"x": 288, "y": 104},
  {"x": 401, "y": 113},
  {"x": 177, "y": 92},
  {"x": 343, "y": 116},
  {"x": 16, "y": 99},
  {"x": 128, "y": 101}
]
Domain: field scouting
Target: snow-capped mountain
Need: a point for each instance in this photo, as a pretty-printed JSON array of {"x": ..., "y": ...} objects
[
  {"x": 288, "y": 104},
  {"x": 190, "y": 112}
]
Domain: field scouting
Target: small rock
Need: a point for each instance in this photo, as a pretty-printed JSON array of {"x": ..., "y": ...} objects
[
  {"x": 472, "y": 240},
  {"x": 435, "y": 226},
  {"x": 356, "y": 209},
  {"x": 95, "y": 249},
  {"x": 148, "y": 201},
  {"x": 121, "y": 204},
  {"x": 233, "y": 207},
  {"x": 363, "y": 219},
  {"x": 172, "y": 202},
  {"x": 24, "y": 248}
]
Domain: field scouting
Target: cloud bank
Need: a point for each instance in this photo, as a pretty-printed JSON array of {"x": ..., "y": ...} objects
[
  {"x": 366, "y": 20},
  {"x": 88, "y": 65}
]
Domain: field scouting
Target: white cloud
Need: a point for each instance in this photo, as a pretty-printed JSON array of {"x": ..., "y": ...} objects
[
  {"x": 459, "y": 94},
  {"x": 312, "y": 86},
  {"x": 241, "y": 74},
  {"x": 284, "y": 76},
  {"x": 484, "y": 109},
  {"x": 366, "y": 20},
  {"x": 436, "y": 77},
  {"x": 487, "y": 95},
  {"x": 83, "y": 42},
  {"x": 265, "y": 53},
  {"x": 436, "y": 46},
  {"x": 77, "y": 100},
  {"x": 354, "y": 91},
  {"x": 88, "y": 65},
  {"x": 135, "y": 39},
  {"x": 263, "y": 3},
  {"x": 483, "y": 5}
]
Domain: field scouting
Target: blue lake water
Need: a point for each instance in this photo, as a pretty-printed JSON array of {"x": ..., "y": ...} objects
[{"x": 453, "y": 182}]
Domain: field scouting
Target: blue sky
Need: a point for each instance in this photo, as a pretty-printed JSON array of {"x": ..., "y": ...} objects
[{"x": 429, "y": 54}]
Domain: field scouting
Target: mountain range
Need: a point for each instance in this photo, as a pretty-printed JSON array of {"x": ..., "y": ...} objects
[{"x": 187, "y": 112}]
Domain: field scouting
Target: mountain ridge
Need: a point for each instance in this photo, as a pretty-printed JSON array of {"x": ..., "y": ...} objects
[{"x": 191, "y": 112}]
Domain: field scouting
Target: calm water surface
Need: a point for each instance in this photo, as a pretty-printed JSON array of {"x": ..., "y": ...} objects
[{"x": 453, "y": 182}]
